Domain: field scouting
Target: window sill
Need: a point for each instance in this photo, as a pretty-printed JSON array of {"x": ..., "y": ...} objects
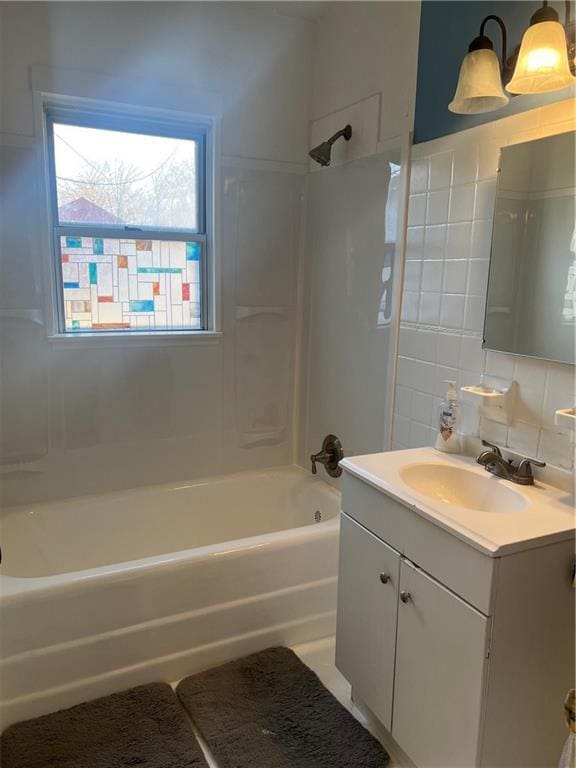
[{"x": 136, "y": 339}]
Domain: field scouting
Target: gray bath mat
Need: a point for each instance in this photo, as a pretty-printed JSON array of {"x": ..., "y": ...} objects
[
  {"x": 270, "y": 711},
  {"x": 144, "y": 727}
]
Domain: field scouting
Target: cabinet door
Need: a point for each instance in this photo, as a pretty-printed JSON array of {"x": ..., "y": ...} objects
[
  {"x": 368, "y": 575},
  {"x": 440, "y": 673}
]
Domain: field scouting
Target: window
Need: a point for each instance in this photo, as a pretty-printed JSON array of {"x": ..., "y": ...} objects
[{"x": 129, "y": 218}]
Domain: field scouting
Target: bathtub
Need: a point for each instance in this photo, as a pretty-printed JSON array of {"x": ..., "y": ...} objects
[{"x": 104, "y": 592}]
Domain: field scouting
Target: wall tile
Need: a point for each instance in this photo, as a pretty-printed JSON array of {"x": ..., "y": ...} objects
[
  {"x": 452, "y": 311},
  {"x": 429, "y": 309},
  {"x": 478, "y": 277},
  {"x": 417, "y": 210},
  {"x": 458, "y": 240},
  {"x": 434, "y": 242},
  {"x": 414, "y": 243},
  {"x": 523, "y": 438},
  {"x": 455, "y": 276},
  {"x": 456, "y": 311},
  {"x": 422, "y": 408},
  {"x": 500, "y": 364},
  {"x": 412, "y": 272},
  {"x": 474, "y": 313},
  {"x": 481, "y": 239},
  {"x": 485, "y": 196},
  {"x": 403, "y": 404},
  {"x": 410, "y": 301},
  {"x": 419, "y": 176},
  {"x": 472, "y": 356},
  {"x": 437, "y": 207},
  {"x": 440, "y": 171},
  {"x": 465, "y": 168},
  {"x": 448, "y": 349},
  {"x": 462, "y": 203},
  {"x": 432, "y": 275}
]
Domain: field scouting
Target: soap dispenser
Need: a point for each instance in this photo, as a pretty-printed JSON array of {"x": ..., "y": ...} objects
[{"x": 447, "y": 439}]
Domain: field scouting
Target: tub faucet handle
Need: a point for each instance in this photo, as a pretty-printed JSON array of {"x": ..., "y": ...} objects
[{"x": 330, "y": 456}]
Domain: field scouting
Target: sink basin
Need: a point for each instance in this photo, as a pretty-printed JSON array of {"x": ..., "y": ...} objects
[{"x": 462, "y": 488}]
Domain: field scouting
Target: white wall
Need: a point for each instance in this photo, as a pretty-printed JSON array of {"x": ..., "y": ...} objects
[
  {"x": 365, "y": 56},
  {"x": 94, "y": 418},
  {"x": 453, "y": 184}
]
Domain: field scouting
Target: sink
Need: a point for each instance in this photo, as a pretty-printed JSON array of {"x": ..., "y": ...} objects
[{"x": 462, "y": 488}]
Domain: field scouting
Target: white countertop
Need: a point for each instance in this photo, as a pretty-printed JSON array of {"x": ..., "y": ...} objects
[{"x": 547, "y": 516}]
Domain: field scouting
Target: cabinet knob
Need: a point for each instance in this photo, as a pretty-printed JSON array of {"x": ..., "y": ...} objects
[
  {"x": 405, "y": 596},
  {"x": 384, "y": 578}
]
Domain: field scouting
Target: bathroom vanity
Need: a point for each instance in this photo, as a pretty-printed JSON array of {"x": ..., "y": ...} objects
[{"x": 456, "y": 608}]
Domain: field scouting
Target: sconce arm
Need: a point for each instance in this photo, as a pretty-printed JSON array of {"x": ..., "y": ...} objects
[{"x": 498, "y": 20}]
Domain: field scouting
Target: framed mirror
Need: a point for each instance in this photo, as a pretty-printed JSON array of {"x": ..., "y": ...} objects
[{"x": 531, "y": 299}]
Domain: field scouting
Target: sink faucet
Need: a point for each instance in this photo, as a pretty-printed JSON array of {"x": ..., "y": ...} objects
[
  {"x": 330, "y": 455},
  {"x": 493, "y": 462}
]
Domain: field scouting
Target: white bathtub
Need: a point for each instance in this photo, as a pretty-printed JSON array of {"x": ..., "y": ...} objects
[{"x": 104, "y": 592}]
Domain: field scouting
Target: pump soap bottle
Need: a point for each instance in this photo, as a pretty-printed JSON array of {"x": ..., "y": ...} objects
[{"x": 447, "y": 439}]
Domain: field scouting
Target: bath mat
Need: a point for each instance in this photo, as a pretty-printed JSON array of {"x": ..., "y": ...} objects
[
  {"x": 269, "y": 710},
  {"x": 143, "y": 727}
]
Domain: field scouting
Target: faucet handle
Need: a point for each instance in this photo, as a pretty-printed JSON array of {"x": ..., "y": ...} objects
[
  {"x": 525, "y": 467},
  {"x": 495, "y": 448}
]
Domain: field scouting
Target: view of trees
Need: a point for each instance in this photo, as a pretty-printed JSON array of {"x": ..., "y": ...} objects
[{"x": 165, "y": 197}]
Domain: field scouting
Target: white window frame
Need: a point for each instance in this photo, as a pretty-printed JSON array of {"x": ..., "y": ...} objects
[{"x": 154, "y": 123}]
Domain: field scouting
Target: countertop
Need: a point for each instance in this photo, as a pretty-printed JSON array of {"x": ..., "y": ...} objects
[{"x": 548, "y": 515}]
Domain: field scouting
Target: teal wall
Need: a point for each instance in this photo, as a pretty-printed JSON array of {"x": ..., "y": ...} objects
[{"x": 446, "y": 29}]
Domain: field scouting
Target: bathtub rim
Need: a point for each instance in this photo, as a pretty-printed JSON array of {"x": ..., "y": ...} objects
[{"x": 15, "y": 588}]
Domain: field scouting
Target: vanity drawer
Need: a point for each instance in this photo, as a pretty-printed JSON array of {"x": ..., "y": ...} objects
[{"x": 459, "y": 566}]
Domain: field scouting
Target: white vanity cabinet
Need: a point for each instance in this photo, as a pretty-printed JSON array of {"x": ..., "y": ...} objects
[{"x": 458, "y": 654}]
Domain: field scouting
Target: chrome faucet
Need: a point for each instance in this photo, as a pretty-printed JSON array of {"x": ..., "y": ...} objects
[
  {"x": 330, "y": 455},
  {"x": 493, "y": 462}
]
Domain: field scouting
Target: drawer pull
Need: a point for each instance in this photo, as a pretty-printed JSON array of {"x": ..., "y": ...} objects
[
  {"x": 384, "y": 578},
  {"x": 405, "y": 596}
]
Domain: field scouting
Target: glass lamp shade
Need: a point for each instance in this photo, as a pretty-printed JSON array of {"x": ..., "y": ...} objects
[
  {"x": 542, "y": 61},
  {"x": 479, "y": 86}
]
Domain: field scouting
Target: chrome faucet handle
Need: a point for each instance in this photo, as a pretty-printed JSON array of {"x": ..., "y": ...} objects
[{"x": 495, "y": 448}]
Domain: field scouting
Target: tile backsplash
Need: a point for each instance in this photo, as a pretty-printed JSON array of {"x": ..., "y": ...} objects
[{"x": 452, "y": 191}]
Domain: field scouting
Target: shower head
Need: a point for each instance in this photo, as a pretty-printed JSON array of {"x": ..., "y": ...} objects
[{"x": 322, "y": 153}]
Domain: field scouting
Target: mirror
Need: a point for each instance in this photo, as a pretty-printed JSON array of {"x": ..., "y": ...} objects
[{"x": 531, "y": 300}]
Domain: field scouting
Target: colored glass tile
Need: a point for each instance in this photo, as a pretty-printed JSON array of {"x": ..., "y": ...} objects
[
  {"x": 110, "y": 284},
  {"x": 192, "y": 252},
  {"x": 73, "y": 242},
  {"x": 142, "y": 305}
]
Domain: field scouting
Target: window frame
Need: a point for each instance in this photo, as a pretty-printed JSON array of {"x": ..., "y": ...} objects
[{"x": 130, "y": 122}]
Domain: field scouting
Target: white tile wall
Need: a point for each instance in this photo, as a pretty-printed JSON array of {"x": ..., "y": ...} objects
[{"x": 453, "y": 184}]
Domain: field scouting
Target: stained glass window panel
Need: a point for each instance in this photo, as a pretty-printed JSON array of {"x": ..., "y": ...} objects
[{"x": 116, "y": 284}]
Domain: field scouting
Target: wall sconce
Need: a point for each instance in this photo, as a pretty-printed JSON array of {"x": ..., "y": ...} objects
[
  {"x": 541, "y": 63},
  {"x": 479, "y": 86}
]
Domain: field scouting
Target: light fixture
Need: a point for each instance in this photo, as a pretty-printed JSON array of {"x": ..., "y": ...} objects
[
  {"x": 542, "y": 63},
  {"x": 479, "y": 86}
]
